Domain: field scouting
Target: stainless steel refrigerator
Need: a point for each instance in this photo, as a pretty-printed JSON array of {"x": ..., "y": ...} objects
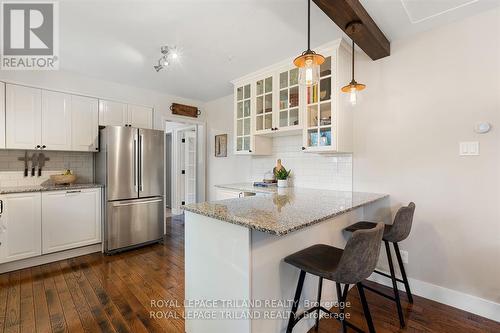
[{"x": 130, "y": 164}]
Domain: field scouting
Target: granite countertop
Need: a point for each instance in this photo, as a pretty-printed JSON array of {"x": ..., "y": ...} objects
[
  {"x": 44, "y": 188},
  {"x": 286, "y": 210}
]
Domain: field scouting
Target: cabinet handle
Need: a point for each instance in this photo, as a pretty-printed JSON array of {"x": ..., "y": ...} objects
[
  {"x": 37, "y": 147},
  {"x": 303, "y": 148},
  {"x": 44, "y": 146},
  {"x": 74, "y": 191},
  {"x": 250, "y": 150},
  {"x": 1, "y": 206}
]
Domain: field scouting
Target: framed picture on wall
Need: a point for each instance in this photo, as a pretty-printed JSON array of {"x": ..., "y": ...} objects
[{"x": 221, "y": 145}]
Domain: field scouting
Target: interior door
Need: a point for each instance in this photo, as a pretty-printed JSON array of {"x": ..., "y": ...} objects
[
  {"x": 190, "y": 165},
  {"x": 122, "y": 150},
  {"x": 56, "y": 120},
  {"x": 151, "y": 162}
]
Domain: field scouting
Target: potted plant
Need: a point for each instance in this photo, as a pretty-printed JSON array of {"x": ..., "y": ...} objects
[{"x": 282, "y": 177}]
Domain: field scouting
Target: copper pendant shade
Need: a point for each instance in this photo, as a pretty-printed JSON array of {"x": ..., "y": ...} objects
[
  {"x": 353, "y": 85},
  {"x": 309, "y": 61}
]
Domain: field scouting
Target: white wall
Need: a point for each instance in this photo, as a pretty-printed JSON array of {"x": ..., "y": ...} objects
[
  {"x": 419, "y": 104},
  {"x": 223, "y": 170},
  {"x": 79, "y": 84}
]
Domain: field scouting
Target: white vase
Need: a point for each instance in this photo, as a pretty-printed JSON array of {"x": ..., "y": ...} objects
[{"x": 282, "y": 182}]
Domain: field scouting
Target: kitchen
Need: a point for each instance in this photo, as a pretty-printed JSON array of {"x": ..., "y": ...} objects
[{"x": 423, "y": 131}]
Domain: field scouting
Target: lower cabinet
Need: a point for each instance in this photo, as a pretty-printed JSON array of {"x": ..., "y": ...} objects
[
  {"x": 34, "y": 223},
  {"x": 20, "y": 226},
  {"x": 70, "y": 219}
]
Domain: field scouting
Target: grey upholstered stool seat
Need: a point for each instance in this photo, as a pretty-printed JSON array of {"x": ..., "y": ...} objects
[
  {"x": 393, "y": 233},
  {"x": 349, "y": 266}
]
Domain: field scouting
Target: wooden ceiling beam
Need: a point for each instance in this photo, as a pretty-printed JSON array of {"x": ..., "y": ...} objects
[{"x": 366, "y": 35}]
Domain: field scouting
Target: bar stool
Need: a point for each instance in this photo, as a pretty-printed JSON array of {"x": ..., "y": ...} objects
[
  {"x": 394, "y": 234},
  {"x": 349, "y": 266}
]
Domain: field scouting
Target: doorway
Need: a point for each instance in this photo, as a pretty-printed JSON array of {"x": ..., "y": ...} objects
[{"x": 184, "y": 165}]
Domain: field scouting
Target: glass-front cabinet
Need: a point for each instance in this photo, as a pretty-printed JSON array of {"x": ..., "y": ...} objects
[
  {"x": 243, "y": 118},
  {"x": 320, "y": 113},
  {"x": 289, "y": 100},
  {"x": 272, "y": 102},
  {"x": 264, "y": 105}
]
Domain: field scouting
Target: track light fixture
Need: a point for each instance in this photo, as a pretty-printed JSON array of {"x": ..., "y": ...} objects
[{"x": 169, "y": 53}]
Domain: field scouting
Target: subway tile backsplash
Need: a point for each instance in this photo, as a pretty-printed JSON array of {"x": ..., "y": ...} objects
[
  {"x": 12, "y": 170},
  {"x": 333, "y": 172}
]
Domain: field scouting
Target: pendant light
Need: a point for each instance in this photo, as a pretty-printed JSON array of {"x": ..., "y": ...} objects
[
  {"x": 353, "y": 87},
  {"x": 309, "y": 61}
]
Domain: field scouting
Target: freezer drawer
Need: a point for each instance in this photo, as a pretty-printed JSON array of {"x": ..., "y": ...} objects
[{"x": 133, "y": 222}]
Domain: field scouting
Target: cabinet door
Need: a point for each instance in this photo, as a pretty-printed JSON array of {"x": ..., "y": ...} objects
[
  {"x": 264, "y": 105},
  {"x": 84, "y": 124},
  {"x": 70, "y": 219},
  {"x": 243, "y": 117},
  {"x": 2, "y": 115},
  {"x": 23, "y": 117},
  {"x": 20, "y": 226},
  {"x": 56, "y": 120},
  {"x": 140, "y": 116},
  {"x": 288, "y": 113},
  {"x": 112, "y": 113}
]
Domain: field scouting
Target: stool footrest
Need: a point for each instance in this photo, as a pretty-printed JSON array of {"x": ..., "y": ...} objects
[
  {"x": 378, "y": 292},
  {"x": 388, "y": 276}
]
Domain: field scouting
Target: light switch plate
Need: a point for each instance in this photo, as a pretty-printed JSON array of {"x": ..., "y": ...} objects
[{"x": 470, "y": 148}]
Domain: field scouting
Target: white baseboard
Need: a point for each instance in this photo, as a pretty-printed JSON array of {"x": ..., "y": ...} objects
[
  {"x": 48, "y": 258},
  {"x": 456, "y": 299}
]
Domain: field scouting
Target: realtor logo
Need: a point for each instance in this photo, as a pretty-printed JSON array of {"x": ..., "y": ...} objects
[{"x": 29, "y": 35}]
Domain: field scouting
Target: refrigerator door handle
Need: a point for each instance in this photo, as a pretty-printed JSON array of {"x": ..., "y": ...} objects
[
  {"x": 136, "y": 158},
  {"x": 136, "y": 203},
  {"x": 141, "y": 167}
]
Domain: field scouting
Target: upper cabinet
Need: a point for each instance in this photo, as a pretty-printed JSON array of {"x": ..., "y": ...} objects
[
  {"x": 49, "y": 120},
  {"x": 140, "y": 116},
  {"x": 121, "y": 114},
  {"x": 2, "y": 115},
  {"x": 112, "y": 113},
  {"x": 23, "y": 117},
  {"x": 56, "y": 120},
  {"x": 84, "y": 124},
  {"x": 271, "y": 102}
]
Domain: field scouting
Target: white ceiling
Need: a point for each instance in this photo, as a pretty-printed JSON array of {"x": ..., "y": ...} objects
[{"x": 119, "y": 40}]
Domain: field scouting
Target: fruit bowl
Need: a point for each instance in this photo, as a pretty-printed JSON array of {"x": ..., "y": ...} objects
[{"x": 63, "y": 179}]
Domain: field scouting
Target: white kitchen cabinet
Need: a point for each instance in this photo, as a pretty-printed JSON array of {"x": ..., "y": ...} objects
[
  {"x": 140, "y": 116},
  {"x": 244, "y": 125},
  {"x": 120, "y": 114},
  {"x": 270, "y": 103},
  {"x": 2, "y": 115},
  {"x": 23, "y": 117},
  {"x": 84, "y": 123},
  {"x": 70, "y": 219},
  {"x": 20, "y": 226},
  {"x": 112, "y": 113},
  {"x": 56, "y": 120}
]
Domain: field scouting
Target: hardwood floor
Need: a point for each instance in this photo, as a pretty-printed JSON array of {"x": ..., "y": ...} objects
[{"x": 98, "y": 293}]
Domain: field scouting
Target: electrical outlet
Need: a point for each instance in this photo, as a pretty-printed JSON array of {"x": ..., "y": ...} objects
[{"x": 404, "y": 256}]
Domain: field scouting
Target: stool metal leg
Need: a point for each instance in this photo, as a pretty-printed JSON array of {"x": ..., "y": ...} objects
[
  {"x": 394, "y": 285},
  {"x": 403, "y": 272},
  {"x": 366, "y": 310},
  {"x": 320, "y": 286},
  {"x": 341, "y": 296},
  {"x": 296, "y": 299}
]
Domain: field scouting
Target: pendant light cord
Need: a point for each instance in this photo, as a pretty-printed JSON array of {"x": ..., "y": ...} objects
[
  {"x": 308, "y": 25},
  {"x": 353, "y": 60}
]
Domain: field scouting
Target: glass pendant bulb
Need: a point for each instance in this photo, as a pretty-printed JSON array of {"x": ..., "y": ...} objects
[
  {"x": 353, "y": 96},
  {"x": 309, "y": 73}
]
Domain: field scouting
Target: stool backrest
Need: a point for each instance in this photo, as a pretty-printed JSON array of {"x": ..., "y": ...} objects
[
  {"x": 360, "y": 255},
  {"x": 401, "y": 227}
]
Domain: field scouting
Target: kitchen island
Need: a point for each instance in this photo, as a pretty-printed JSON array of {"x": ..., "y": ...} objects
[{"x": 235, "y": 277}]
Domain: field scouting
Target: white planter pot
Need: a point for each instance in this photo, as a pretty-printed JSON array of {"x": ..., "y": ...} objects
[{"x": 282, "y": 182}]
